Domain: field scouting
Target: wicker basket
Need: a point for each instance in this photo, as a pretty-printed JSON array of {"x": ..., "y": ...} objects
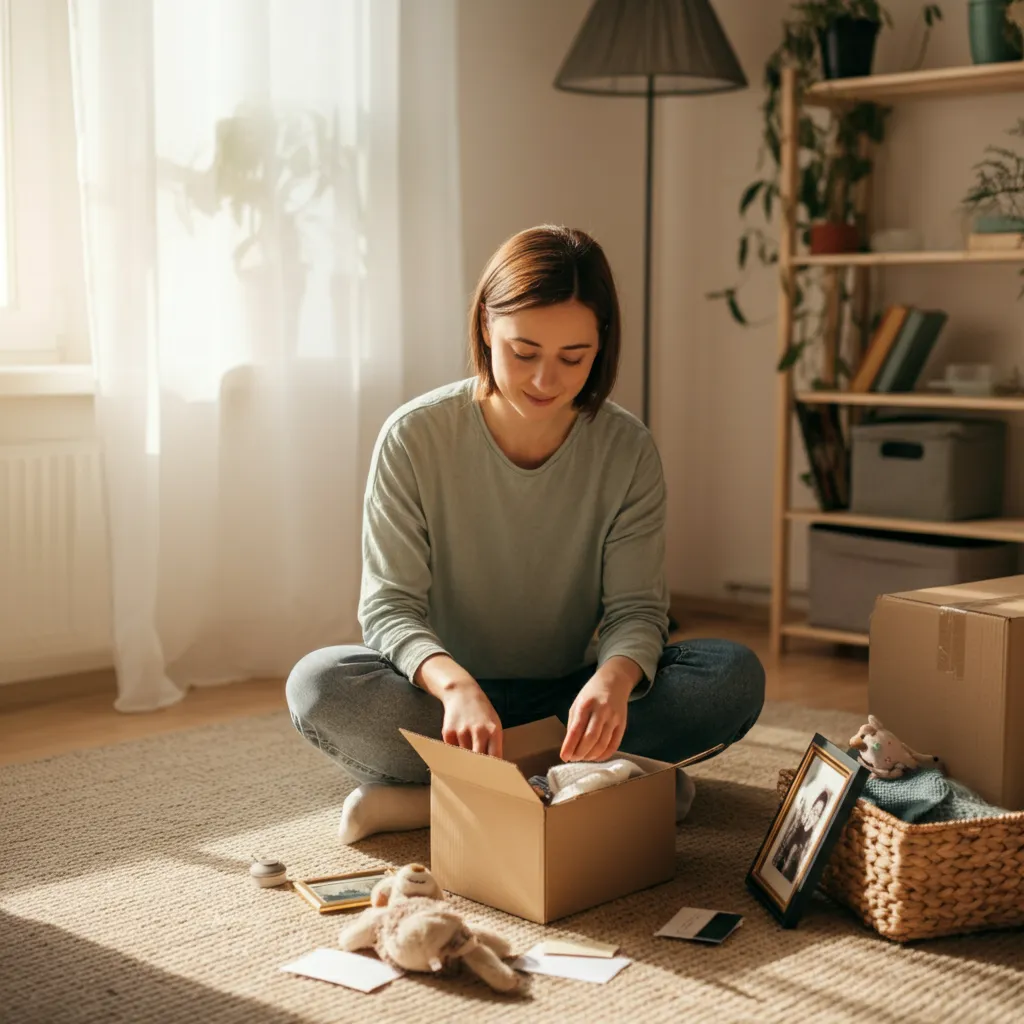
[{"x": 922, "y": 881}]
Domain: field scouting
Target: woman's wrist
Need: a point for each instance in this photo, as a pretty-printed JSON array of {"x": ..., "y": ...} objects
[
  {"x": 444, "y": 678},
  {"x": 621, "y": 673}
]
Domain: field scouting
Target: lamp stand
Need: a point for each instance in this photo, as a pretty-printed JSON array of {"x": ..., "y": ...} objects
[{"x": 648, "y": 202}]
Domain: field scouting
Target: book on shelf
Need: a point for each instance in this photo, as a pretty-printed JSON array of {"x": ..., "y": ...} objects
[
  {"x": 879, "y": 347},
  {"x": 910, "y": 351},
  {"x": 827, "y": 454},
  {"x": 995, "y": 241}
]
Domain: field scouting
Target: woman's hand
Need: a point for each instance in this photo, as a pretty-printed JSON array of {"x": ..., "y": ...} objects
[
  {"x": 597, "y": 718},
  {"x": 470, "y": 720}
]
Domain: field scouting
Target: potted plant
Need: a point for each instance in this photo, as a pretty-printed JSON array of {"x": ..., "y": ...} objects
[
  {"x": 994, "y": 27},
  {"x": 996, "y": 199},
  {"x": 830, "y": 158},
  {"x": 846, "y": 32}
]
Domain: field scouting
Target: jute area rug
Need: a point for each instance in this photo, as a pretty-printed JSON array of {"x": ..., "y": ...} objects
[{"x": 125, "y": 897}]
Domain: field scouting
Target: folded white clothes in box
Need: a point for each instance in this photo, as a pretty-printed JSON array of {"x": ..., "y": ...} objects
[{"x": 566, "y": 781}]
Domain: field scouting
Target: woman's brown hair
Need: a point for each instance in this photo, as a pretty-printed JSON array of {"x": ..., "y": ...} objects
[{"x": 544, "y": 266}]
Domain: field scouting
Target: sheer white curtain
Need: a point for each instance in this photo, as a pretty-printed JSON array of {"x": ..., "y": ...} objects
[{"x": 255, "y": 177}]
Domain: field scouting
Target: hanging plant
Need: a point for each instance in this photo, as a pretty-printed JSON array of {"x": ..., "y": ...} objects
[{"x": 830, "y": 165}]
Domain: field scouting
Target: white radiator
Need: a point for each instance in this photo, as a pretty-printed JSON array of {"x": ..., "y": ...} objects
[{"x": 54, "y": 575}]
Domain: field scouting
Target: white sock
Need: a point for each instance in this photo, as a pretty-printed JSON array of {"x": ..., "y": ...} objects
[
  {"x": 376, "y": 807},
  {"x": 685, "y": 792}
]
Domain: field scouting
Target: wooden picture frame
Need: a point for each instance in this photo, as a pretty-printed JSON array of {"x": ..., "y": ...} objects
[
  {"x": 329, "y": 894},
  {"x": 796, "y": 848}
]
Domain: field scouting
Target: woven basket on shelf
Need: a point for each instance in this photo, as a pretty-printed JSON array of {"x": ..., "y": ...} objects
[{"x": 922, "y": 881}]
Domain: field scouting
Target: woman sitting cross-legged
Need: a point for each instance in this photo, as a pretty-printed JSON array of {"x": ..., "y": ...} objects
[{"x": 513, "y": 550}]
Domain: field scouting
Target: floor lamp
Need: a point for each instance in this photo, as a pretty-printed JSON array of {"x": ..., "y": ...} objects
[{"x": 650, "y": 48}]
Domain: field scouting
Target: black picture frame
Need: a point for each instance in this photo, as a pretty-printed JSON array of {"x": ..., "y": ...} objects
[{"x": 788, "y": 865}]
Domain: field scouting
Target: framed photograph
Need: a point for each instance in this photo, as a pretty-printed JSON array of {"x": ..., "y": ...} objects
[
  {"x": 332, "y": 893},
  {"x": 794, "y": 853}
]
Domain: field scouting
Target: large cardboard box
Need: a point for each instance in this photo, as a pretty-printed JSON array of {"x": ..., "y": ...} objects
[
  {"x": 494, "y": 841},
  {"x": 946, "y": 674}
]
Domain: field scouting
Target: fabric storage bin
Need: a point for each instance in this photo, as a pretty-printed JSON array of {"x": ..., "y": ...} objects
[
  {"x": 928, "y": 469},
  {"x": 912, "y": 882},
  {"x": 849, "y": 568}
]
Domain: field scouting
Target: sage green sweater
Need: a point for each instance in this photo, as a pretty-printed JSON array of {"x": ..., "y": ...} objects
[{"x": 510, "y": 571}]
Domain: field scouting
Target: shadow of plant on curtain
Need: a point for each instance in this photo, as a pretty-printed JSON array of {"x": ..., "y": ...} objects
[{"x": 244, "y": 237}]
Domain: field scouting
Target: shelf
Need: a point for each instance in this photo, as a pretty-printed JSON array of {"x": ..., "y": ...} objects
[
  {"x": 979, "y": 529},
  {"x": 837, "y": 636},
  {"x": 915, "y": 400},
  {"x": 924, "y": 257},
  {"x": 970, "y": 80}
]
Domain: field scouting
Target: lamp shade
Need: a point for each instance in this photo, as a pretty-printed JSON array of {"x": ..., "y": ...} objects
[{"x": 625, "y": 47}]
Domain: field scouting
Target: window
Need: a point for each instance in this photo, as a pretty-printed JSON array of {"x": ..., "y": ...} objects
[{"x": 42, "y": 292}]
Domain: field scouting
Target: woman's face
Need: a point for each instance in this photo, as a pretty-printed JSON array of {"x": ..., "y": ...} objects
[{"x": 541, "y": 357}]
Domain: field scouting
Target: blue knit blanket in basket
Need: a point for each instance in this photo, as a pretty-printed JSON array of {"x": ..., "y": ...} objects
[{"x": 927, "y": 796}]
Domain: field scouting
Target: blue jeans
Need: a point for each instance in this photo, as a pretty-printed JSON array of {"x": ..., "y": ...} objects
[{"x": 351, "y": 702}]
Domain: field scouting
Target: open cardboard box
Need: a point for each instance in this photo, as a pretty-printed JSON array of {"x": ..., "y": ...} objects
[{"x": 494, "y": 841}]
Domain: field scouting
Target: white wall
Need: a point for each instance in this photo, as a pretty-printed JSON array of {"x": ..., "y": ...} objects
[{"x": 532, "y": 154}]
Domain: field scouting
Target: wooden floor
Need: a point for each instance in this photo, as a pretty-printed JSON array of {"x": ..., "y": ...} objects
[{"x": 79, "y": 713}]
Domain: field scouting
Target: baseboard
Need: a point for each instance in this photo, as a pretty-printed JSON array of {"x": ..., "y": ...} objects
[
  {"x": 58, "y": 678},
  {"x": 690, "y": 606}
]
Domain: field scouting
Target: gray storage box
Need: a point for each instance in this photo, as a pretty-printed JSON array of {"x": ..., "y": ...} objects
[
  {"x": 850, "y": 568},
  {"x": 936, "y": 469}
]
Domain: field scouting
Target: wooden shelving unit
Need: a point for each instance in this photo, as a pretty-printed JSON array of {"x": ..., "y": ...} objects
[
  {"x": 964, "y": 82},
  {"x": 923, "y": 258},
  {"x": 916, "y": 400},
  {"x": 972, "y": 80}
]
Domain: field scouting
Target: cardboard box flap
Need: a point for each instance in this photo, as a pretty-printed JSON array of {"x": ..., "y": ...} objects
[
  {"x": 523, "y": 741},
  {"x": 480, "y": 769},
  {"x": 1003, "y": 598}
]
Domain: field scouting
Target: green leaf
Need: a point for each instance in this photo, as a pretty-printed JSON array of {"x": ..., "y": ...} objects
[
  {"x": 749, "y": 195},
  {"x": 735, "y": 310},
  {"x": 792, "y": 354},
  {"x": 744, "y": 246},
  {"x": 767, "y": 197},
  {"x": 807, "y": 134}
]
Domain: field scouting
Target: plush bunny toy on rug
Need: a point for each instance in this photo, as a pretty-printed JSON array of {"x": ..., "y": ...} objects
[
  {"x": 411, "y": 927},
  {"x": 886, "y": 756}
]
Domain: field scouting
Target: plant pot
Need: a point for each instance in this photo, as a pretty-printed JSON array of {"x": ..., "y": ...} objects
[
  {"x": 848, "y": 47},
  {"x": 830, "y": 237},
  {"x": 994, "y": 38},
  {"x": 998, "y": 223}
]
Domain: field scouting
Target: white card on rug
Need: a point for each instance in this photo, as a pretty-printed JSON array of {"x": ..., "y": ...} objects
[
  {"x": 341, "y": 968},
  {"x": 578, "y": 968}
]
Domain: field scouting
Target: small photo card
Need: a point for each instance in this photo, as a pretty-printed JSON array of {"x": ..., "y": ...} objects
[
  {"x": 596, "y": 969},
  {"x": 342, "y": 968},
  {"x": 698, "y": 925}
]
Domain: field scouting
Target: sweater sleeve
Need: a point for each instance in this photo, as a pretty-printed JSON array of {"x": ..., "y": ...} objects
[
  {"x": 635, "y": 594},
  {"x": 393, "y": 601}
]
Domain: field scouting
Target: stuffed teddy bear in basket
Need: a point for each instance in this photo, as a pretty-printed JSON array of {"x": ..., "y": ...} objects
[
  {"x": 411, "y": 927},
  {"x": 885, "y": 755}
]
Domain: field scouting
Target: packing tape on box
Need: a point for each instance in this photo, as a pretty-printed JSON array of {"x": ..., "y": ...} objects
[
  {"x": 953, "y": 631},
  {"x": 952, "y": 640}
]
